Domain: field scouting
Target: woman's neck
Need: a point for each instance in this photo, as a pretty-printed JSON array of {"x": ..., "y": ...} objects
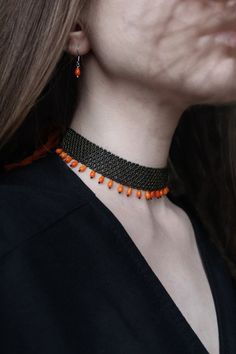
[{"x": 126, "y": 118}]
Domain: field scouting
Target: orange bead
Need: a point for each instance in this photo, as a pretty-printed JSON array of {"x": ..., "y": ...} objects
[
  {"x": 147, "y": 195},
  {"x": 82, "y": 168},
  {"x": 59, "y": 151},
  {"x": 74, "y": 163},
  {"x": 110, "y": 183},
  {"x": 139, "y": 194},
  {"x": 77, "y": 72},
  {"x": 129, "y": 192},
  {"x": 120, "y": 188},
  {"x": 92, "y": 174},
  {"x": 158, "y": 195},
  {"x": 101, "y": 179},
  {"x": 167, "y": 189},
  {"x": 153, "y": 194},
  {"x": 68, "y": 159},
  {"x": 161, "y": 192},
  {"x": 63, "y": 155}
]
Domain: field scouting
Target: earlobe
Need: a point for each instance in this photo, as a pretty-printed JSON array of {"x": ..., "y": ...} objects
[{"x": 77, "y": 39}]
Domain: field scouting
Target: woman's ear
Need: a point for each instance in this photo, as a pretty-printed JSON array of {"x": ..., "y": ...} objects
[{"x": 78, "y": 42}]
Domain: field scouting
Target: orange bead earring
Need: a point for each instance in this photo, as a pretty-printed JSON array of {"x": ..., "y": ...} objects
[{"x": 77, "y": 69}]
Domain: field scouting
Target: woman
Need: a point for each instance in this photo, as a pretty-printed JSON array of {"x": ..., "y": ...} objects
[{"x": 124, "y": 265}]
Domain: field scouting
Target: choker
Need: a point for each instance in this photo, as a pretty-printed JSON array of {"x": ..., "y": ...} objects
[{"x": 148, "y": 182}]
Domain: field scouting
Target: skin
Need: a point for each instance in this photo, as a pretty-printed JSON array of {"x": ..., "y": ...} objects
[{"x": 145, "y": 63}]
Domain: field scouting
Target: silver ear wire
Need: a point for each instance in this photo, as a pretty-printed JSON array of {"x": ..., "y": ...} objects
[{"x": 78, "y": 60}]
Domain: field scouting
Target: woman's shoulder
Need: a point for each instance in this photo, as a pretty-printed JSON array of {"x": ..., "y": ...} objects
[{"x": 34, "y": 197}]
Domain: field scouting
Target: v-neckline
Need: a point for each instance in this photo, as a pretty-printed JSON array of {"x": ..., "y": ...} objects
[{"x": 144, "y": 268}]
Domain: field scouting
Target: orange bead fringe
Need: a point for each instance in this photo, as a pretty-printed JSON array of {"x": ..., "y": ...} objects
[{"x": 147, "y": 194}]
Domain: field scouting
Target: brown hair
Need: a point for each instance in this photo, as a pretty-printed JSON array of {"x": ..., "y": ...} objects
[
  {"x": 33, "y": 35},
  {"x": 38, "y": 96}
]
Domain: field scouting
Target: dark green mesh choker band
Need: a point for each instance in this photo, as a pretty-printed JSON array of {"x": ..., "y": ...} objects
[{"x": 75, "y": 149}]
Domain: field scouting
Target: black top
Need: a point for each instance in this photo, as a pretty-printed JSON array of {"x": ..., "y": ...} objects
[{"x": 73, "y": 281}]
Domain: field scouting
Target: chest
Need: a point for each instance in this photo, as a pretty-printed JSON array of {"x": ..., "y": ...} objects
[
  {"x": 171, "y": 251},
  {"x": 178, "y": 266},
  {"x": 183, "y": 277}
]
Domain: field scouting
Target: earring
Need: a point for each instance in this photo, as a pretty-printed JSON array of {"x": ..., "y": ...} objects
[{"x": 77, "y": 69}]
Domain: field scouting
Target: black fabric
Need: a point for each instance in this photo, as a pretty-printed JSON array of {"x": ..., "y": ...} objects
[{"x": 73, "y": 281}]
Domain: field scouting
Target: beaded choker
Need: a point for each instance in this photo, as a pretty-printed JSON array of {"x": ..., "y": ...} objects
[{"x": 148, "y": 182}]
